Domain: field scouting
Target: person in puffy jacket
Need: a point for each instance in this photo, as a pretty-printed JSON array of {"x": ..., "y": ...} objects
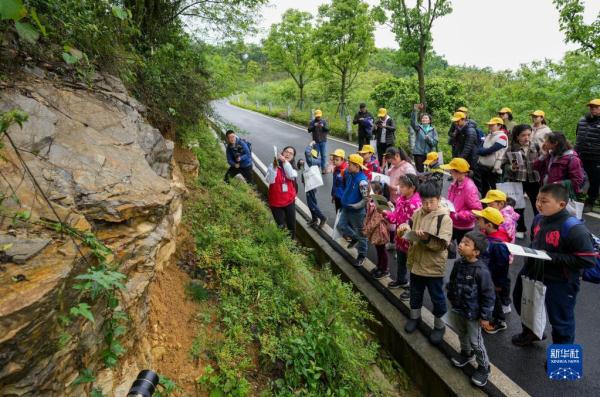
[
  {"x": 466, "y": 139},
  {"x": 281, "y": 177},
  {"x": 489, "y": 165},
  {"x": 463, "y": 194},
  {"x": 320, "y": 129},
  {"x": 337, "y": 187},
  {"x": 560, "y": 163},
  {"x": 423, "y": 137},
  {"x": 587, "y": 146},
  {"x": 471, "y": 295},
  {"x": 370, "y": 160},
  {"x": 385, "y": 133},
  {"x": 407, "y": 203},
  {"x": 539, "y": 127},
  {"x": 239, "y": 157},
  {"x": 365, "y": 123}
]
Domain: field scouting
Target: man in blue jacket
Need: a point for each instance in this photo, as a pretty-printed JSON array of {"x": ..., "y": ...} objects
[{"x": 239, "y": 157}]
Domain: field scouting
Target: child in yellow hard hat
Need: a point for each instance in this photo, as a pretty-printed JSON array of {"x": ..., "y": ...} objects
[{"x": 370, "y": 160}]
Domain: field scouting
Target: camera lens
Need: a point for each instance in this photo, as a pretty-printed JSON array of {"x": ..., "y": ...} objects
[{"x": 144, "y": 385}]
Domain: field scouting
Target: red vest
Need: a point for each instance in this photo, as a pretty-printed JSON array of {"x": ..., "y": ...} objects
[{"x": 277, "y": 197}]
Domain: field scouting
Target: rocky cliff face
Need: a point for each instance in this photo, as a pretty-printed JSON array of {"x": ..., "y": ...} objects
[{"x": 103, "y": 169}]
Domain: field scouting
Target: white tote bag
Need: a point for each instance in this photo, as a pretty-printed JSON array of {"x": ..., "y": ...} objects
[
  {"x": 533, "y": 307},
  {"x": 513, "y": 190},
  {"x": 575, "y": 208},
  {"x": 312, "y": 178},
  {"x": 336, "y": 234}
]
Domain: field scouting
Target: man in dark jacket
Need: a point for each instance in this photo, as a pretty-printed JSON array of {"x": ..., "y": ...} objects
[
  {"x": 466, "y": 139},
  {"x": 364, "y": 119},
  {"x": 588, "y": 147},
  {"x": 239, "y": 157},
  {"x": 385, "y": 133},
  {"x": 452, "y": 130},
  {"x": 319, "y": 129},
  {"x": 569, "y": 254}
]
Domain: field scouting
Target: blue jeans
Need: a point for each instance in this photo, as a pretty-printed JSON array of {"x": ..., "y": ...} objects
[
  {"x": 351, "y": 225},
  {"x": 435, "y": 285},
  {"x": 321, "y": 148},
  {"x": 311, "y": 201},
  {"x": 561, "y": 296}
]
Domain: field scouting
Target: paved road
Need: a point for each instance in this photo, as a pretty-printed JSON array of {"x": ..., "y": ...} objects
[{"x": 523, "y": 365}]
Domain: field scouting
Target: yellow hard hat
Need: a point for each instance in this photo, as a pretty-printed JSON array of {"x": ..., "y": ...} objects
[
  {"x": 463, "y": 109},
  {"x": 538, "y": 113},
  {"x": 318, "y": 113},
  {"x": 367, "y": 149},
  {"x": 314, "y": 153},
  {"x": 594, "y": 102},
  {"x": 357, "y": 159},
  {"x": 491, "y": 214},
  {"x": 458, "y": 116},
  {"x": 495, "y": 120},
  {"x": 339, "y": 153},
  {"x": 457, "y": 164},
  {"x": 432, "y": 157},
  {"x": 493, "y": 195},
  {"x": 505, "y": 110},
  {"x": 382, "y": 112}
]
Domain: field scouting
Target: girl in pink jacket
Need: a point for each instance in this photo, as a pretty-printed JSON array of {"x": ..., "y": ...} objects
[
  {"x": 464, "y": 195},
  {"x": 407, "y": 203}
]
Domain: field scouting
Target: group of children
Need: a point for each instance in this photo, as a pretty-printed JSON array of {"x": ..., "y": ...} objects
[{"x": 429, "y": 228}]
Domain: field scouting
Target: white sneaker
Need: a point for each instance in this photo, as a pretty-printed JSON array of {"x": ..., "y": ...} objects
[
  {"x": 520, "y": 235},
  {"x": 506, "y": 309}
]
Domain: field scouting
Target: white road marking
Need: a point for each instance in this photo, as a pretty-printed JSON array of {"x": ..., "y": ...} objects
[
  {"x": 592, "y": 214},
  {"x": 289, "y": 124}
]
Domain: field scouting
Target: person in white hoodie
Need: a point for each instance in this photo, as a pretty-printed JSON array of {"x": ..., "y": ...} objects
[
  {"x": 489, "y": 166},
  {"x": 539, "y": 129}
]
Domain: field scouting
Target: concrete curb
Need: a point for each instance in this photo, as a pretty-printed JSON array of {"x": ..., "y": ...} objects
[{"x": 427, "y": 365}]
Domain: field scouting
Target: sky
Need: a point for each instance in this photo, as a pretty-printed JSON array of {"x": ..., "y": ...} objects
[{"x": 501, "y": 34}]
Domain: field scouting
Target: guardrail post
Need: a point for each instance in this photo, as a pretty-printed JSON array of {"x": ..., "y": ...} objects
[
  {"x": 349, "y": 127},
  {"x": 289, "y": 112}
]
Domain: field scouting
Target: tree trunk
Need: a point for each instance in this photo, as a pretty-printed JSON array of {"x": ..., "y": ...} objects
[
  {"x": 301, "y": 103},
  {"x": 342, "y": 104},
  {"x": 421, "y": 74}
]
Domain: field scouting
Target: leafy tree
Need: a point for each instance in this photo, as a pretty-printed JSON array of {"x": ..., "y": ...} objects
[
  {"x": 343, "y": 43},
  {"x": 389, "y": 60},
  {"x": 399, "y": 93},
  {"x": 576, "y": 30},
  {"x": 289, "y": 46},
  {"x": 412, "y": 27}
]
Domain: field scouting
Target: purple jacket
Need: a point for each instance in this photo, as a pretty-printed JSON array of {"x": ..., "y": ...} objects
[
  {"x": 566, "y": 167},
  {"x": 465, "y": 197}
]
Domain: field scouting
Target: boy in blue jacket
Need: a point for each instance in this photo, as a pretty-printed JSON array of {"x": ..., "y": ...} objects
[
  {"x": 312, "y": 158},
  {"x": 498, "y": 261},
  {"x": 239, "y": 157},
  {"x": 471, "y": 294}
]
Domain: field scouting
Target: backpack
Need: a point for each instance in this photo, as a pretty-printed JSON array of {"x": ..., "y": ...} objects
[
  {"x": 590, "y": 274},
  {"x": 248, "y": 143},
  {"x": 480, "y": 135}
]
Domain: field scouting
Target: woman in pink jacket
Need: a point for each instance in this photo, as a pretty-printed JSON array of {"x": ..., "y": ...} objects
[
  {"x": 464, "y": 195},
  {"x": 399, "y": 165}
]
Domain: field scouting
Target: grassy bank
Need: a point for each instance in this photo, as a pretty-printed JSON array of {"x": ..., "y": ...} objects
[{"x": 280, "y": 326}]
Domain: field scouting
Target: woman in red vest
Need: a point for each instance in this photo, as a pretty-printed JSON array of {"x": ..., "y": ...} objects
[{"x": 281, "y": 177}]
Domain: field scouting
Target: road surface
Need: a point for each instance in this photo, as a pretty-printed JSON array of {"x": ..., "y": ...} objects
[{"x": 524, "y": 365}]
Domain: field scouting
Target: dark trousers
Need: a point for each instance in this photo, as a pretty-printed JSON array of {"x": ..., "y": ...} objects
[
  {"x": 419, "y": 158},
  {"x": 311, "y": 202},
  {"x": 363, "y": 139},
  {"x": 435, "y": 286},
  {"x": 458, "y": 234},
  {"x": 498, "y": 313},
  {"x": 338, "y": 204},
  {"x": 246, "y": 173},
  {"x": 286, "y": 217},
  {"x": 485, "y": 179},
  {"x": 532, "y": 189},
  {"x": 402, "y": 274},
  {"x": 592, "y": 169},
  {"x": 381, "y": 148},
  {"x": 561, "y": 297},
  {"x": 382, "y": 258}
]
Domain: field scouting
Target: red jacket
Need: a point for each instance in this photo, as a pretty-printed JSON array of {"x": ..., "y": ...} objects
[
  {"x": 277, "y": 197},
  {"x": 566, "y": 167}
]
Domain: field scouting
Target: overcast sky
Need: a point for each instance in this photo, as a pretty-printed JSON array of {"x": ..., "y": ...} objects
[{"x": 501, "y": 34}]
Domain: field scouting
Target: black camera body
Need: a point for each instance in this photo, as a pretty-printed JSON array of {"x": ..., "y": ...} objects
[{"x": 145, "y": 384}]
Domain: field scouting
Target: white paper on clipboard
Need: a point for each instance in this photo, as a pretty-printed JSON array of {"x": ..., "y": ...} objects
[
  {"x": 528, "y": 252},
  {"x": 275, "y": 152}
]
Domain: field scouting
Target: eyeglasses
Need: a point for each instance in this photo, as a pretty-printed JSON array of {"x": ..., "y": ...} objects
[
  {"x": 500, "y": 114},
  {"x": 288, "y": 152}
]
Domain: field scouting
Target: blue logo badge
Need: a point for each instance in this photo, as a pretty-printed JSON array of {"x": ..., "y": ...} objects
[{"x": 565, "y": 362}]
